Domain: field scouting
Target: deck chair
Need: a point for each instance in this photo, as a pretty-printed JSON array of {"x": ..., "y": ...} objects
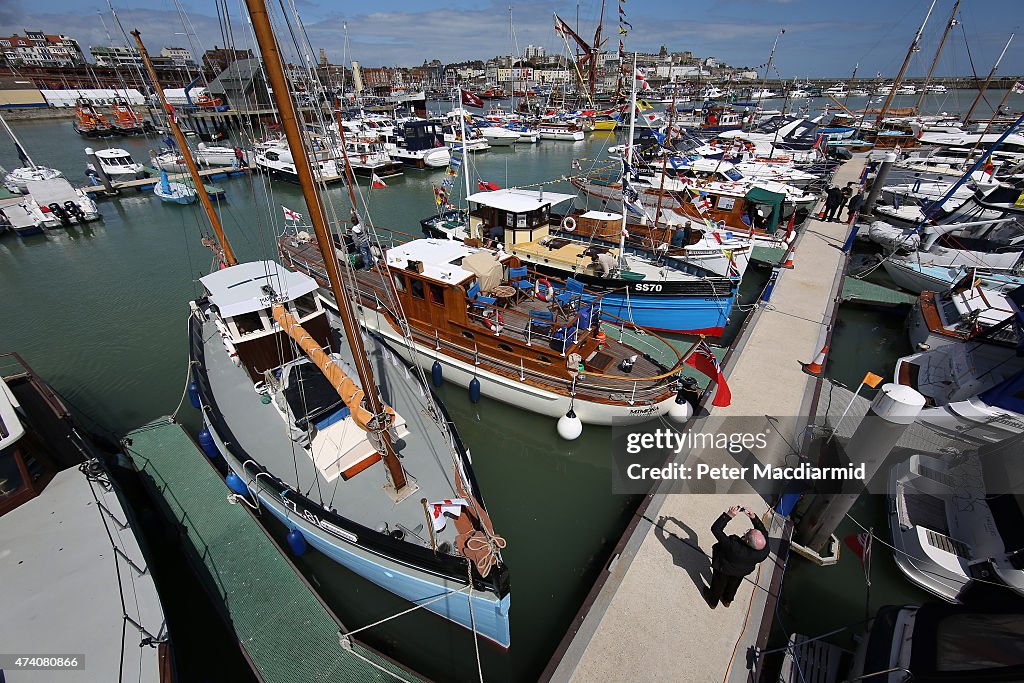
[
  {"x": 478, "y": 300},
  {"x": 542, "y": 321},
  {"x": 571, "y": 295},
  {"x": 519, "y": 278}
]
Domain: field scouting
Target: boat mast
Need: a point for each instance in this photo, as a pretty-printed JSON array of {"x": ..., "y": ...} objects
[
  {"x": 903, "y": 69},
  {"x": 186, "y": 153},
  {"x": 853, "y": 77},
  {"x": 764, "y": 81},
  {"x": 282, "y": 97},
  {"x": 945, "y": 34},
  {"x": 16, "y": 142},
  {"x": 668, "y": 139},
  {"x": 629, "y": 162},
  {"x": 595, "y": 51},
  {"x": 984, "y": 86}
]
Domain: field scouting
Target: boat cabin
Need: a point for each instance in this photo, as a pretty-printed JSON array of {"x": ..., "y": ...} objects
[
  {"x": 34, "y": 443},
  {"x": 420, "y": 135},
  {"x": 117, "y": 160},
  {"x": 512, "y": 216},
  {"x": 242, "y": 296}
]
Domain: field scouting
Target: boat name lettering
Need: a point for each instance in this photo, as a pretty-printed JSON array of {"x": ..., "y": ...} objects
[
  {"x": 647, "y": 287},
  {"x": 313, "y": 519},
  {"x": 649, "y": 410}
]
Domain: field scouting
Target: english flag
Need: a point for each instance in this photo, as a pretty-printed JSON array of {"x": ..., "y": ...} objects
[
  {"x": 471, "y": 100},
  {"x": 376, "y": 182},
  {"x": 860, "y": 544},
  {"x": 486, "y": 186},
  {"x": 441, "y": 508},
  {"x": 702, "y": 203},
  {"x": 703, "y": 360},
  {"x": 1018, "y": 88},
  {"x": 290, "y": 215}
]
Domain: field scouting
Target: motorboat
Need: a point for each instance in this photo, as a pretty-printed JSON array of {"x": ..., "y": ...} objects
[
  {"x": 919, "y": 277},
  {"x": 118, "y": 165},
  {"x": 50, "y": 204},
  {"x": 959, "y": 315},
  {"x": 89, "y": 122},
  {"x": 418, "y": 143},
  {"x": 560, "y": 130},
  {"x": 275, "y": 157},
  {"x": 499, "y": 136},
  {"x": 126, "y": 121},
  {"x": 73, "y": 549}
]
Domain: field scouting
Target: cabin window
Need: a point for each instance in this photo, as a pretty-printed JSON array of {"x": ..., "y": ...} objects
[
  {"x": 11, "y": 480},
  {"x": 272, "y": 156},
  {"x": 734, "y": 175},
  {"x": 436, "y": 295},
  {"x": 726, "y": 203},
  {"x": 305, "y": 305},
  {"x": 521, "y": 220},
  {"x": 506, "y": 348},
  {"x": 247, "y": 323},
  {"x": 544, "y": 359},
  {"x": 468, "y": 335},
  {"x": 399, "y": 283},
  {"x": 417, "y": 288}
]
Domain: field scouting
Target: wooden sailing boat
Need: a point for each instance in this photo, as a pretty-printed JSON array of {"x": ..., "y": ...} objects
[{"x": 298, "y": 413}]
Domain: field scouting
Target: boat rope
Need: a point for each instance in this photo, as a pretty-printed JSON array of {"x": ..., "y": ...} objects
[
  {"x": 472, "y": 623},
  {"x": 350, "y": 647},
  {"x": 492, "y": 543},
  {"x": 415, "y": 607},
  {"x": 184, "y": 393}
]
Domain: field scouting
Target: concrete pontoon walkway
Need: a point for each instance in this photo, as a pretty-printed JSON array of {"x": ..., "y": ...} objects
[{"x": 649, "y": 621}]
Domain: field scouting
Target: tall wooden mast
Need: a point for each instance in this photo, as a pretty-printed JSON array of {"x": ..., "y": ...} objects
[
  {"x": 229, "y": 255},
  {"x": 935, "y": 61},
  {"x": 984, "y": 86},
  {"x": 318, "y": 217},
  {"x": 903, "y": 69}
]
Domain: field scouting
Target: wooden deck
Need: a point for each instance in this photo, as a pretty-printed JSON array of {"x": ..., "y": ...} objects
[{"x": 142, "y": 183}]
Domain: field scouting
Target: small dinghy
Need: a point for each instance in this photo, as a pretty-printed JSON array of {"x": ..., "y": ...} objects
[{"x": 177, "y": 193}]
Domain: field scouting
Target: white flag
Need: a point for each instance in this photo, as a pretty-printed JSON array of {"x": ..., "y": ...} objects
[
  {"x": 290, "y": 215},
  {"x": 440, "y": 509},
  {"x": 1018, "y": 88}
]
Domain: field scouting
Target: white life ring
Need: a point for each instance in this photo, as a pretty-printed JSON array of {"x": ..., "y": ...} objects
[
  {"x": 494, "y": 323},
  {"x": 568, "y": 223},
  {"x": 548, "y": 290}
]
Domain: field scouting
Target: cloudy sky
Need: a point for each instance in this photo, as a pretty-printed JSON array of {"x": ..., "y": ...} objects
[{"x": 823, "y": 38}]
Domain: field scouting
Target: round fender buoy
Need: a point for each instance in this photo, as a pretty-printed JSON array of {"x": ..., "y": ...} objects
[
  {"x": 569, "y": 426},
  {"x": 474, "y": 390},
  {"x": 681, "y": 410},
  {"x": 193, "y": 396},
  {"x": 208, "y": 445},
  {"x": 435, "y": 373}
]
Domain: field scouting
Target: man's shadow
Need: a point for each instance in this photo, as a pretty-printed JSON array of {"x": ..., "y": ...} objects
[{"x": 685, "y": 550}]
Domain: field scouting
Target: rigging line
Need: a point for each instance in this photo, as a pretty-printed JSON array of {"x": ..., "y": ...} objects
[
  {"x": 421, "y": 605},
  {"x": 351, "y": 648}
]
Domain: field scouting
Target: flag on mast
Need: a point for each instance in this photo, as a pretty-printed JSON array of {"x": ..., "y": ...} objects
[
  {"x": 441, "y": 508},
  {"x": 290, "y": 215},
  {"x": 376, "y": 182},
  {"x": 471, "y": 100}
]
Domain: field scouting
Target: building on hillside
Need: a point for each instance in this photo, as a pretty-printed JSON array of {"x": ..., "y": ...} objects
[
  {"x": 116, "y": 55},
  {"x": 534, "y": 52},
  {"x": 41, "y": 49},
  {"x": 179, "y": 56},
  {"x": 218, "y": 59}
]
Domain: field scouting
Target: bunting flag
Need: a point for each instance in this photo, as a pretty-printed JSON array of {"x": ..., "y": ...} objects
[
  {"x": 641, "y": 80},
  {"x": 1018, "y": 88},
  {"x": 703, "y": 205},
  {"x": 376, "y": 182},
  {"x": 576, "y": 164},
  {"x": 623, "y": 31},
  {"x": 290, "y": 215},
  {"x": 623, "y": 22},
  {"x": 703, "y": 360}
]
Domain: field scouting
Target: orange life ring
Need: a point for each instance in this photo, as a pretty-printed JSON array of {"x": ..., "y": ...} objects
[{"x": 548, "y": 290}]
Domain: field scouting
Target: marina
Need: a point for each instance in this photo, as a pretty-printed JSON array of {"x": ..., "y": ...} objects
[{"x": 720, "y": 375}]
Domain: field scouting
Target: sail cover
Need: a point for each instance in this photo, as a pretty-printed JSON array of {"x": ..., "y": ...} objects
[{"x": 486, "y": 267}]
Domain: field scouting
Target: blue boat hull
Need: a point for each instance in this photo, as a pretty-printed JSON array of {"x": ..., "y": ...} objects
[
  {"x": 490, "y": 617},
  {"x": 682, "y": 315}
]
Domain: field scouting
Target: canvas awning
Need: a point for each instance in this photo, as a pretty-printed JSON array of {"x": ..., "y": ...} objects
[
  {"x": 759, "y": 195},
  {"x": 486, "y": 267}
]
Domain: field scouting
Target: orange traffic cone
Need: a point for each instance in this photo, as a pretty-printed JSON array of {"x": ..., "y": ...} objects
[
  {"x": 789, "y": 257},
  {"x": 815, "y": 367}
]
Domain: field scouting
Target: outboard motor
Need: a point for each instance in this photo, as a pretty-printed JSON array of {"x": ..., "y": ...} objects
[
  {"x": 58, "y": 211},
  {"x": 75, "y": 210}
]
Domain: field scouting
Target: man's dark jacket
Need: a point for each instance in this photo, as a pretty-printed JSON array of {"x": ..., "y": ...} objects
[
  {"x": 833, "y": 197},
  {"x": 731, "y": 555}
]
